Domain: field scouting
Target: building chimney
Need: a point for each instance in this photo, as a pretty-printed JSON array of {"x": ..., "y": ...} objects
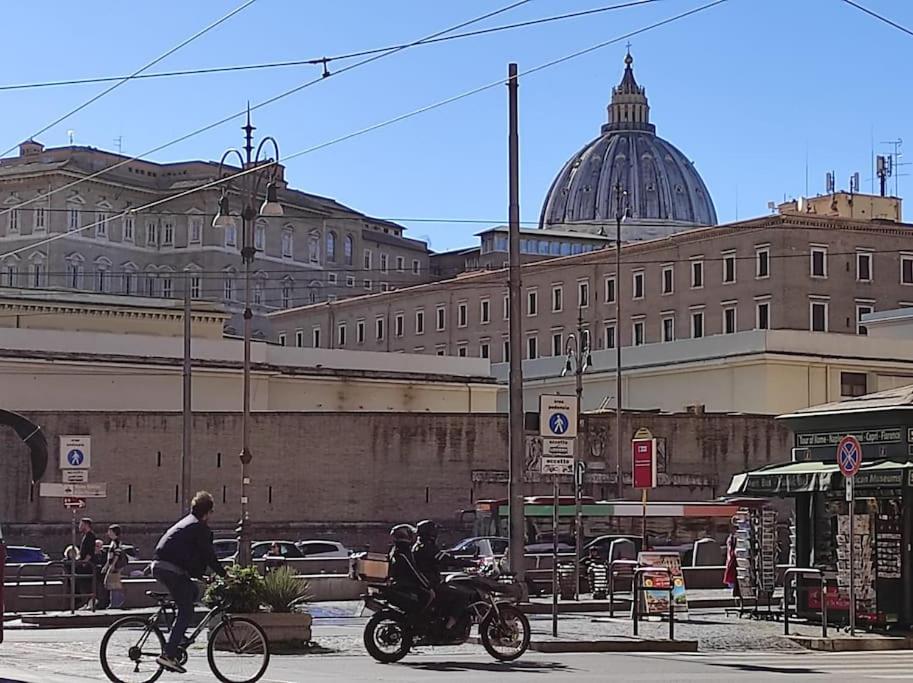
[{"x": 30, "y": 148}]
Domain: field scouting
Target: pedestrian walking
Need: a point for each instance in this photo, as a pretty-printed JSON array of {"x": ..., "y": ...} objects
[
  {"x": 730, "y": 576},
  {"x": 102, "y": 598},
  {"x": 116, "y": 562},
  {"x": 85, "y": 563}
]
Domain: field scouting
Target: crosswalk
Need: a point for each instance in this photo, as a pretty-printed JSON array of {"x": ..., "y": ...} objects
[{"x": 886, "y": 665}]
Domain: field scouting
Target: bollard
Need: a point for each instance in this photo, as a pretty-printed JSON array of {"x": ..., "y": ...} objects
[
  {"x": 612, "y": 573},
  {"x": 808, "y": 572}
]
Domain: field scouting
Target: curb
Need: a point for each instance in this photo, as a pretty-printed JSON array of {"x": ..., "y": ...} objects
[
  {"x": 846, "y": 644},
  {"x": 564, "y": 646},
  {"x": 622, "y": 605}
]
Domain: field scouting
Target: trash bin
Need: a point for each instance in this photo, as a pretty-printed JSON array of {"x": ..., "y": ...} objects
[{"x": 566, "y": 581}]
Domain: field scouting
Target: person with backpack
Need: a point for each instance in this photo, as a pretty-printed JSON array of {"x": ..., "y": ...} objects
[{"x": 116, "y": 562}]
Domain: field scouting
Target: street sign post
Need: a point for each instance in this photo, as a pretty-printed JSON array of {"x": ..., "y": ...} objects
[
  {"x": 557, "y": 465},
  {"x": 75, "y": 452},
  {"x": 57, "y": 490},
  {"x": 558, "y": 447},
  {"x": 643, "y": 470},
  {"x": 74, "y": 503},
  {"x": 75, "y": 476},
  {"x": 558, "y": 416},
  {"x": 849, "y": 460}
]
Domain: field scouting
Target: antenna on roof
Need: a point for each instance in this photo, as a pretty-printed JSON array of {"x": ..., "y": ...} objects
[
  {"x": 854, "y": 183},
  {"x": 119, "y": 143},
  {"x": 71, "y": 136},
  {"x": 829, "y": 182}
]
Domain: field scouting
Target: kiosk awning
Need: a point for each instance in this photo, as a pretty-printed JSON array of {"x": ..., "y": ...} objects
[{"x": 810, "y": 476}]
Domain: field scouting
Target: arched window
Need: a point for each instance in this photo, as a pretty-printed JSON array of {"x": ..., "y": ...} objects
[
  {"x": 348, "y": 248},
  {"x": 288, "y": 286},
  {"x": 331, "y": 247},
  {"x": 287, "y": 243},
  {"x": 75, "y": 270},
  {"x": 260, "y": 235}
]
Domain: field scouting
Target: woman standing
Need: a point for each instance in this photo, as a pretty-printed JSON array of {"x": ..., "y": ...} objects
[
  {"x": 730, "y": 576},
  {"x": 117, "y": 560}
]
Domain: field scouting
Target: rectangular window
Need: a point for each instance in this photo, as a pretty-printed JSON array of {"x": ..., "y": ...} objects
[
  {"x": 287, "y": 244},
  {"x": 420, "y": 322},
  {"x": 668, "y": 279},
  {"x": 167, "y": 286},
  {"x": 668, "y": 329},
  {"x": 128, "y": 228},
  {"x": 168, "y": 233},
  {"x": 762, "y": 315},
  {"x": 150, "y": 234},
  {"x": 286, "y": 296},
  {"x": 101, "y": 224},
  {"x": 299, "y": 338},
  {"x": 697, "y": 274},
  {"x": 638, "y": 333},
  {"x": 583, "y": 294},
  {"x": 228, "y": 288},
  {"x": 532, "y": 302},
  {"x": 585, "y": 339},
  {"x": 341, "y": 330},
  {"x": 462, "y": 314},
  {"x": 196, "y": 230},
  {"x": 729, "y": 320},
  {"x": 697, "y": 324},
  {"x": 484, "y": 350},
  {"x": 367, "y": 260},
  {"x": 14, "y": 220},
  {"x": 506, "y": 311},
  {"x": 863, "y": 266},
  {"x": 400, "y": 264},
  {"x": 280, "y": 339},
  {"x": 853, "y": 384},
  {"x": 505, "y": 351},
  {"x": 557, "y": 298},
  {"x": 818, "y": 316},
  {"x": 416, "y": 267},
  {"x": 557, "y": 344},
  {"x": 315, "y": 338},
  {"x": 73, "y": 219},
  {"x": 762, "y": 262},
  {"x": 462, "y": 350},
  {"x": 638, "y": 285},
  {"x": 441, "y": 314},
  {"x": 195, "y": 290},
  {"x": 367, "y": 284},
  {"x": 379, "y": 329},
  {"x": 383, "y": 263},
  {"x": 818, "y": 262},
  {"x": 906, "y": 270},
  {"x": 861, "y": 310},
  {"x": 399, "y": 325},
  {"x": 485, "y": 311},
  {"x": 440, "y": 350},
  {"x": 532, "y": 347},
  {"x": 729, "y": 267},
  {"x": 40, "y": 218},
  {"x": 360, "y": 331},
  {"x": 610, "y": 336},
  {"x": 331, "y": 278},
  {"x": 610, "y": 290},
  {"x": 350, "y": 280}
]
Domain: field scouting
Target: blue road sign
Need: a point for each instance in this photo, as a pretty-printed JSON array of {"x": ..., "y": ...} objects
[
  {"x": 849, "y": 456},
  {"x": 75, "y": 457},
  {"x": 559, "y": 423}
]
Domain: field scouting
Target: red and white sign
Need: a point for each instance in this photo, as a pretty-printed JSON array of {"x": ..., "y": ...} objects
[
  {"x": 74, "y": 503},
  {"x": 849, "y": 456},
  {"x": 643, "y": 461}
]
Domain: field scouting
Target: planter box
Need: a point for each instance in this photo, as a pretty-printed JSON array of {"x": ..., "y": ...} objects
[{"x": 282, "y": 629}]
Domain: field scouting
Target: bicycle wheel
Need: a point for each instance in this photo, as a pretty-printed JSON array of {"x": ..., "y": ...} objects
[
  {"x": 238, "y": 651},
  {"x": 129, "y": 650}
]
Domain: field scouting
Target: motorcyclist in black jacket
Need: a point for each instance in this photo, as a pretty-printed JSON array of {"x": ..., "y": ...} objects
[
  {"x": 403, "y": 571},
  {"x": 431, "y": 561}
]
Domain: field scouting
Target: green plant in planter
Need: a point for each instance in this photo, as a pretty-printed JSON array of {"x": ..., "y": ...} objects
[
  {"x": 282, "y": 591},
  {"x": 239, "y": 590}
]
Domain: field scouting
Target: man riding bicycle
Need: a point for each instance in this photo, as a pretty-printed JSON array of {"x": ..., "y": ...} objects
[{"x": 184, "y": 553}]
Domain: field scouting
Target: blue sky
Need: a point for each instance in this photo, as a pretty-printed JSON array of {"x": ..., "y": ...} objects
[{"x": 748, "y": 90}]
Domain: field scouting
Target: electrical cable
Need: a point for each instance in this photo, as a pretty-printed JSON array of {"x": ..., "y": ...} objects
[
  {"x": 880, "y": 17},
  {"x": 136, "y": 73}
]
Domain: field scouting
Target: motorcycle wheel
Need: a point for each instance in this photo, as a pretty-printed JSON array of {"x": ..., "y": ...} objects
[
  {"x": 506, "y": 638},
  {"x": 387, "y": 637}
]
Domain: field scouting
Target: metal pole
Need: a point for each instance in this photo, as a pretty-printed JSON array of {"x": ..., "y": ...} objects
[
  {"x": 555, "y": 503},
  {"x": 517, "y": 456},
  {"x": 618, "y": 339},
  {"x": 578, "y": 485},
  {"x": 852, "y": 540},
  {"x": 187, "y": 414},
  {"x": 73, "y": 563},
  {"x": 244, "y": 525},
  {"x": 643, "y": 518}
]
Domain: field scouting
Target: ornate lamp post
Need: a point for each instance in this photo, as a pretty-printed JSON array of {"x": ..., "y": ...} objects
[
  {"x": 577, "y": 351},
  {"x": 621, "y": 211},
  {"x": 251, "y": 209}
]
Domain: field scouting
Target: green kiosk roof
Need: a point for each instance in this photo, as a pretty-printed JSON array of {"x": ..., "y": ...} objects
[{"x": 810, "y": 476}]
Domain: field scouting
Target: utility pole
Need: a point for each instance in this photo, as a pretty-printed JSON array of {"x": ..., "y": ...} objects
[
  {"x": 620, "y": 210},
  {"x": 186, "y": 466},
  {"x": 516, "y": 441}
]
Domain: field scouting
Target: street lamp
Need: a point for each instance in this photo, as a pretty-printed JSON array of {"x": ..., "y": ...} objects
[
  {"x": 621, "y": 212},
  {"x": 249, "y": 193},
  {"x": 578, "y": 359}
]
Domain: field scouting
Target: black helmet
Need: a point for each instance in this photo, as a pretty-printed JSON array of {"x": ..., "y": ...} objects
[
  {"x": 427, "y": 530},
  {"x": 403, "y": 532}
]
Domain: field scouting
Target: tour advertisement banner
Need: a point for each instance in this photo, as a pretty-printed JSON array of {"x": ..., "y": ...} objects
[{"x": 655, "y": 600}]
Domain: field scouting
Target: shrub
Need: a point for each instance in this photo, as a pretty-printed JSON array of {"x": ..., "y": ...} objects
[
  {"x": 281, "y": 590},
  {"x": 239, "y": 590}
]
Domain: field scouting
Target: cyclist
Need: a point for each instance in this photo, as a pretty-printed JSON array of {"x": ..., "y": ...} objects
[{"x": 184, "y": 553}]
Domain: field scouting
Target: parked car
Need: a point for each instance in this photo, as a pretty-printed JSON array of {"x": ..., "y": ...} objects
[
  {"x": 481, "y": 546},
  {"x": 287, "y": 549},
  {"x": 603, "y": 543},
  {"x": 25, "y": 554},
  {"x": 320, "y": 549},
  {"x": 225, "y": 548}
]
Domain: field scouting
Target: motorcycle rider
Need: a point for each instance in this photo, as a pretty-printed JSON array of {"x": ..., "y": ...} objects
[
  {"x": 431, "y": 561},
  {"x": 403, "y": 571}
]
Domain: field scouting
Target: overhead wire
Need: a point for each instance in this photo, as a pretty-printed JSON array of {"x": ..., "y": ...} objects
[
  {"x": 879, "y": 17},
  {"x": 357, "y": 133},
  {"x": 120, "y": 81},
  {"x": 323, "y": 61}
]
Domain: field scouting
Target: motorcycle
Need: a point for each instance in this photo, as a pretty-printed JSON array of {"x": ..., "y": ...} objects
[{"x": 399, "y": 623}]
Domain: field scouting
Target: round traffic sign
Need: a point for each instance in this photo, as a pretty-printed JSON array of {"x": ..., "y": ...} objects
[
  {"x": 75, "y": 457},
  {"x": 559, "y": 423},
  {"x": 849, "y": 455}
]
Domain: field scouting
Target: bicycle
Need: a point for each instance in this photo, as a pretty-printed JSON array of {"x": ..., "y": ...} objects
[{"x": 237, "y": 647}]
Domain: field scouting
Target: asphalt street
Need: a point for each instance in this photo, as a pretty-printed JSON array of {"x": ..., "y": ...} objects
[{"x": 72, "y": 657}]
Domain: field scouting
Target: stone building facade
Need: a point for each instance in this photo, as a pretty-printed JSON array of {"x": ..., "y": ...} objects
[
  {"x": 319, "y": 250},
  {"x": 783, "y": 272},
  {"x": 346, "y": 475}
]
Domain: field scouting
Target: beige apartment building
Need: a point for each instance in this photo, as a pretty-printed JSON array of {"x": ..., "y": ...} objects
[
  {"x": 787, "y": 271},
  {"x": 318, "y": 250}
]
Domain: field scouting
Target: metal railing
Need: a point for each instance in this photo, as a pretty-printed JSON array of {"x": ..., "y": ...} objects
[
  {"x": 638, "y": 587},
  {"x": 67, "y": 577},
  {"x": 807, "y": 572},
  {"x": 630, "y": 564}
]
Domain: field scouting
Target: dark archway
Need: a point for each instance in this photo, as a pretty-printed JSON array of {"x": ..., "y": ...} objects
[{"x": 33, "y": 437}]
